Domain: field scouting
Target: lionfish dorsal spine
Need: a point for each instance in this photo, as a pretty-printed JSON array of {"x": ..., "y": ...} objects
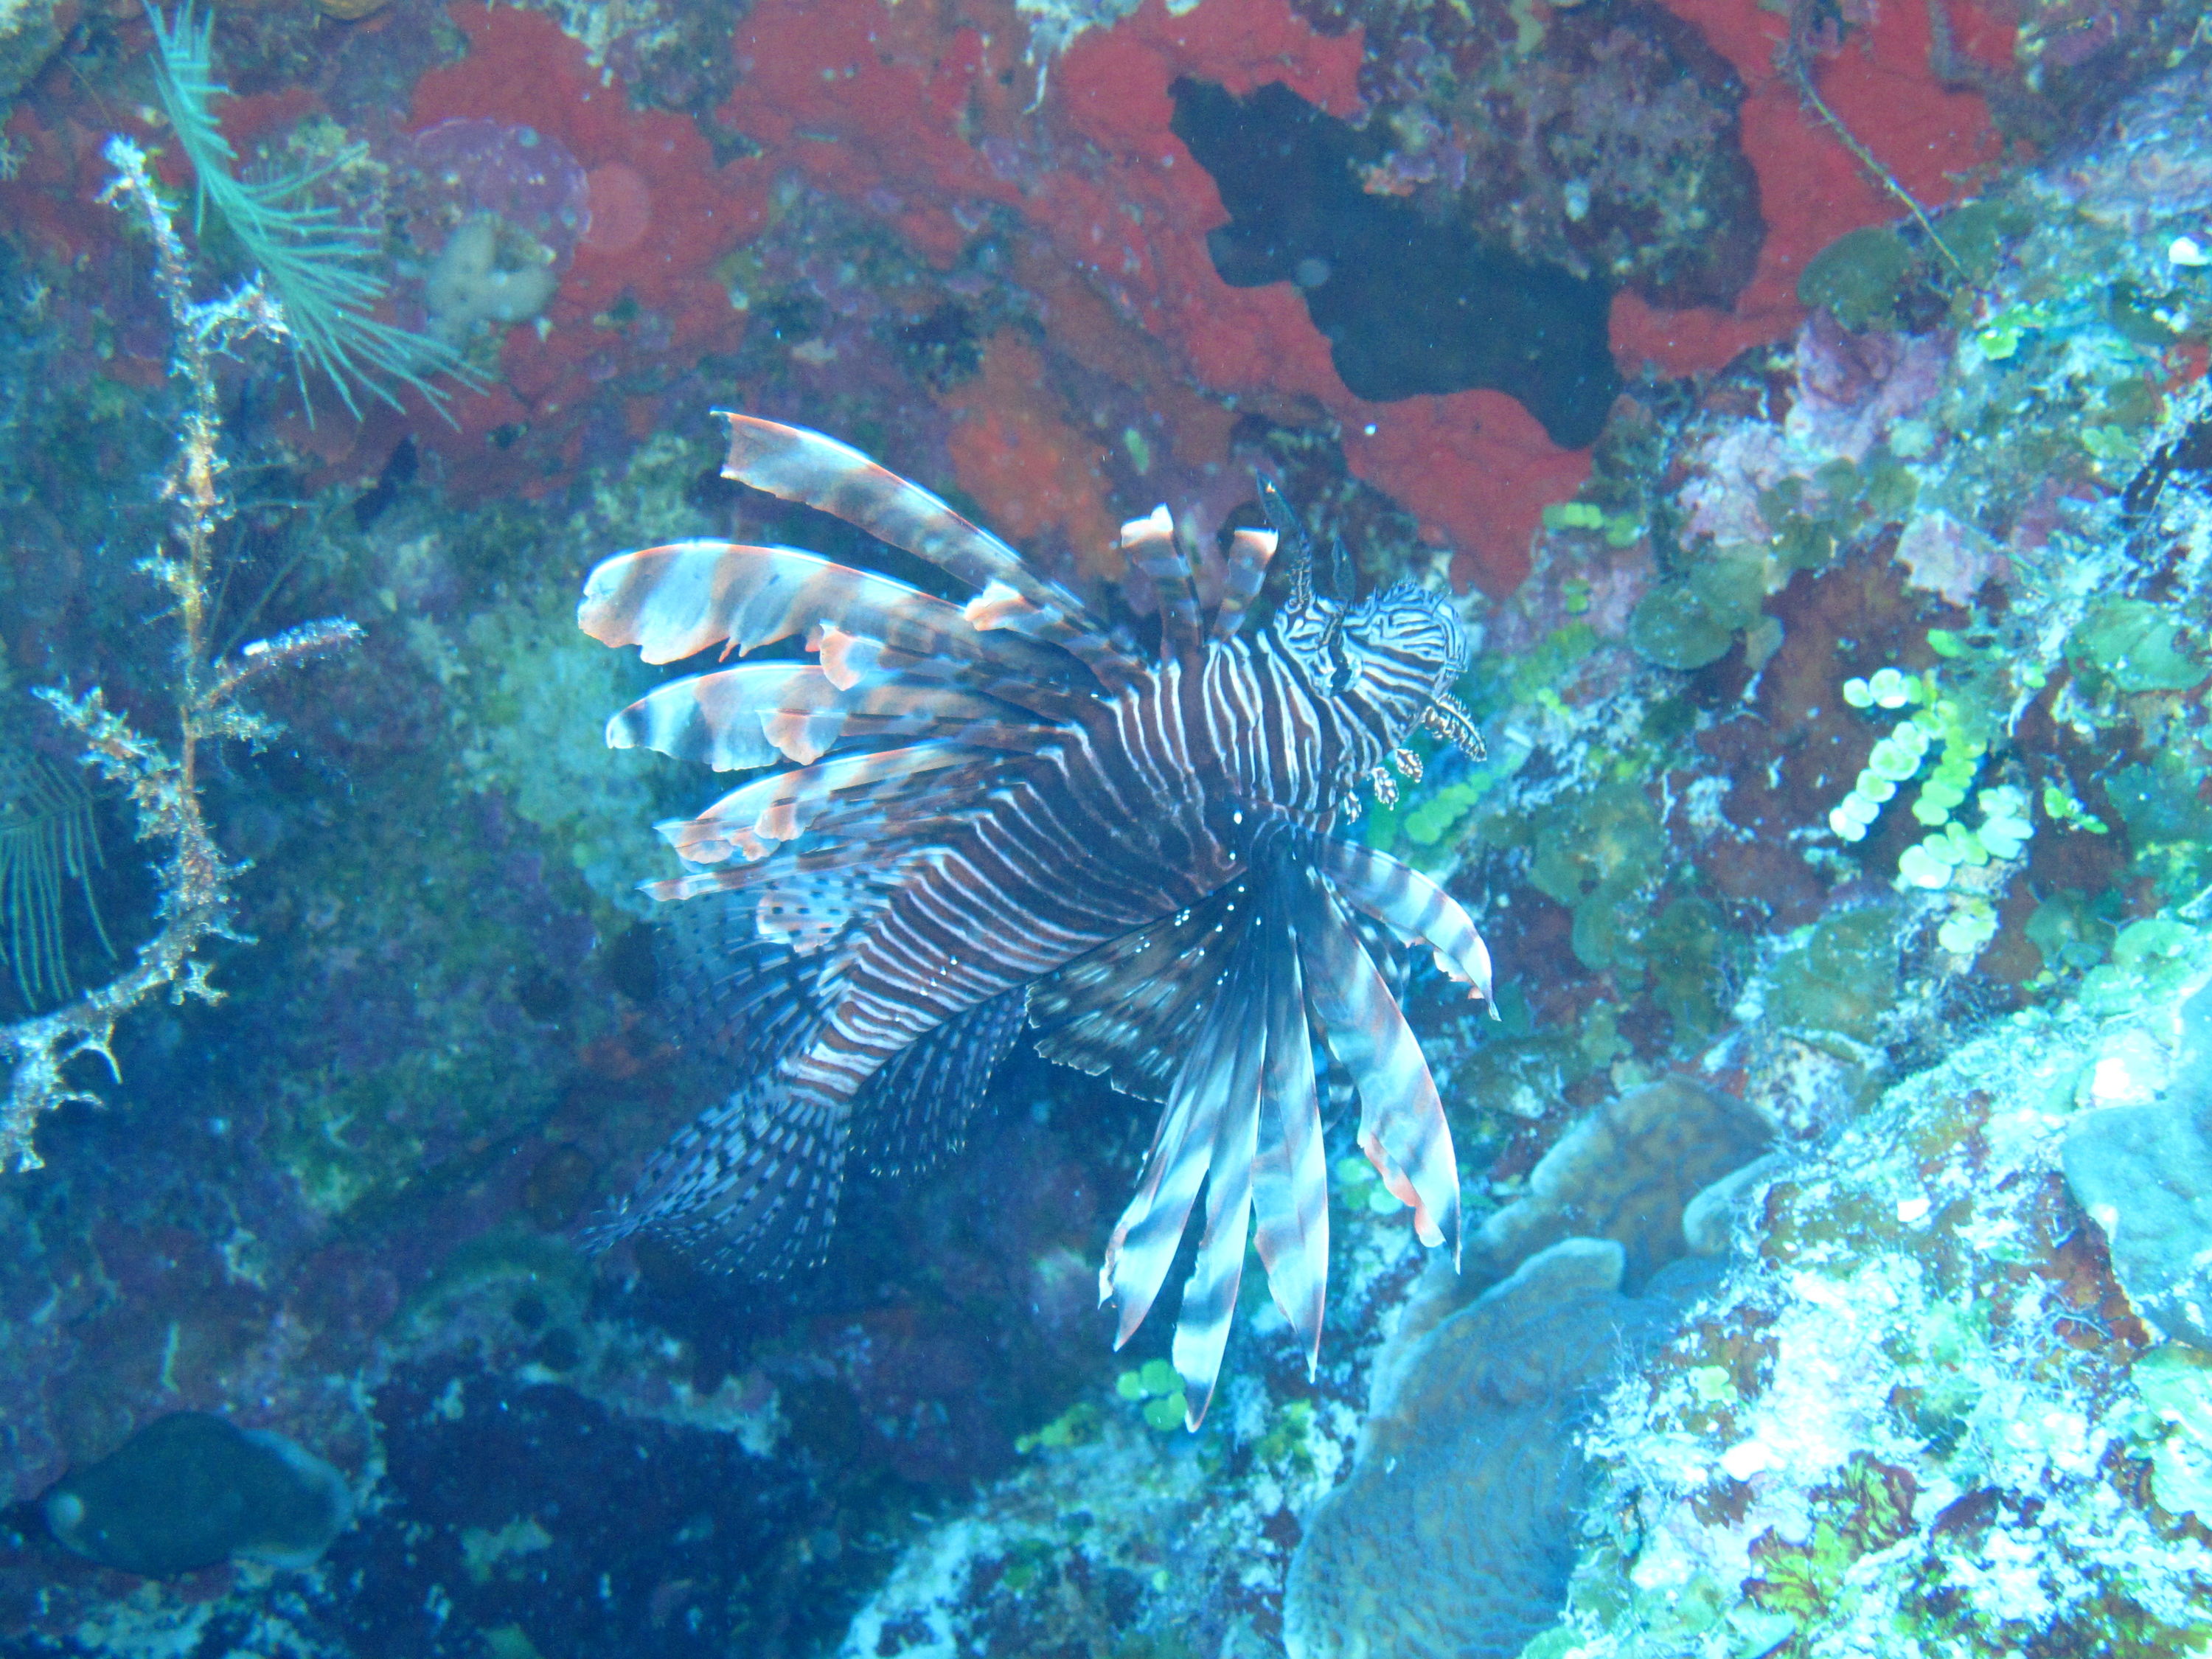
[
  {"x": 1153, "y": 546},
  {"x": 1250, "y": 552},
  {"x": 799, "y": 465}
]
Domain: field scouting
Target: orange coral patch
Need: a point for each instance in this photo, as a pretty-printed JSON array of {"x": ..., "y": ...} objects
[{"x": 1033, "y": 472}]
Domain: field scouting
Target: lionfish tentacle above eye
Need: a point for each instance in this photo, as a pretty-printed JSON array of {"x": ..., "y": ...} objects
[{"x": 974, "y": 816}]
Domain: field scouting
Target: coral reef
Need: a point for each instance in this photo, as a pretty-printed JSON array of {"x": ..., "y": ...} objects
[
  {"x": 1455, "y": 1532},
  {"x": 1911, "y": 1417},
  {"x": 1893, "y": 527}
]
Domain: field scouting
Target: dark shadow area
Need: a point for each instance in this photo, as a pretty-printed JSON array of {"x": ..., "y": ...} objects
[{"x": 1408, "y": 308}]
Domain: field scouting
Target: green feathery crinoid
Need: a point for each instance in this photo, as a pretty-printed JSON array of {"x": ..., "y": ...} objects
[
  {"x": 46, "y": 838},
  {"x": 315, "y": 263}
]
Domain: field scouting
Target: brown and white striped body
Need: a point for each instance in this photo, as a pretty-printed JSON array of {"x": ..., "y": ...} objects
[
  {"x": 1134, "y": 855},
  {"x": 1136, "y": 813}
]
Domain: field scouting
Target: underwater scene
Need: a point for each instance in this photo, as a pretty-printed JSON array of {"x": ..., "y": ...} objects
[{"x": 1105, "y": 828}]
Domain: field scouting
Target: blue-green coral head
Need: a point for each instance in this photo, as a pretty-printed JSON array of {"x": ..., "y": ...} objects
[{"x": 190, "y": 1490}]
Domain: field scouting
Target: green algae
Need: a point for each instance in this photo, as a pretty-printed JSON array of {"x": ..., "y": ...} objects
[
  {"x": 1857, "y": 277},
  {"x": 2136, "y": 644},
  {"x": 1843, "y": 978}
]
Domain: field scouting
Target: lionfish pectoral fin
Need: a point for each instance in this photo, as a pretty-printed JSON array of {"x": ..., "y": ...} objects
[
  {"x": 1400, "y": 1114},
  {"x": 1209, "y": 1295},
  {"x": 750, "y": 1186},
  {"x": 1290, "y": 1167},
  {"x": 1143, "y": 1244},
  {"x": 1132, "y": 1008},
  {"x": 1414, "y": 908},
  {"x": 1243, "y": 1118}
]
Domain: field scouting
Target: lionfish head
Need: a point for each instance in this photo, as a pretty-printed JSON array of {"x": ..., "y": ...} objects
[
  {"x": 1419, "y": 629},
  {"x": 1399, "y": 651},
  {"x": 1403, "y": 648}
]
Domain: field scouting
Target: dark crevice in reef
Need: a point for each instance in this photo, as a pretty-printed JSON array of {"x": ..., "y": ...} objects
[{"x": 1408, "y": 307}]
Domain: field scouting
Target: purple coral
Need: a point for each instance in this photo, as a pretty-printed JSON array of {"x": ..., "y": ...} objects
[{"x": 457, "y": 171}]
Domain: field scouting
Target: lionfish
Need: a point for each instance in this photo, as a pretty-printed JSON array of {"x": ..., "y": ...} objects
[{"x": 996, "y": 813}]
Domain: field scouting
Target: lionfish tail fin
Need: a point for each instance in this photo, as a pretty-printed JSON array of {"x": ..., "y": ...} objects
[{"x": 748, "y": 1187}]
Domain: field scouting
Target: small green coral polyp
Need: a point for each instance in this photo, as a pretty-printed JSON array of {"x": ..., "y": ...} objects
[{"x": 1158, "y": 1387}]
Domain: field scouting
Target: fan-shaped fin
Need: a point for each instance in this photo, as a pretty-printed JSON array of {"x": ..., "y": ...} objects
[
  {"x": 800, "y": 465},
  {"x": 748, "y": 1187},
  {"x": 1132, "y": 1009},
  {"x": 1401, "y": 1120},
  {"x": 1414, "y": 908},
  {"x": 674, "y": 602},
  {"x": 741, "y": 997},
  {"x": 917, "y": 1107},
  {"x": 1209, "y": 1295},
  {"x": 1243, "y": 1118},
  {"x": 1153, "y": 546},
  {"x": 1289, "y": 1170},
  {"x": 1143, "y": 1244},
  {"x": 764, "y": 713},
  {"x": 750, "y": 820},
  {"x": 1249, "y": 550}
]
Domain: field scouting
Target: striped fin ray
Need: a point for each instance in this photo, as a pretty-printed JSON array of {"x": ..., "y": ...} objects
[
  {"x": 1244, "y": 1117},
  {"x": 1414, "y": 908},
  {"x": 1290, "y": 1171},
  {"x": 765, "y": 713},
  {"x": 675, "y": 601},
  {"x": 1154, "y": 548},
  {"x": 847, "y": 658},
  {"x": 750, "y": 1186},
  {"x": 1144, "y": 1242},
  {"x": 800, "y": 465},
  {"x": 1401, "y": 1119},
  {"x": 1249, "y": 550},
  {"x": 916, "y": 1110},
  {"x": 1131, "y": 1008},
  {"x": 1209, "y": 1295},
  {"x": 752, "y": 819}
]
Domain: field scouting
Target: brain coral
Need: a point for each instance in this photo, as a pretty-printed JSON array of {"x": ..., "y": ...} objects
[
  {"x": 1455, "y": 1537},
  {"x": 1455, "y": 1534}
]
